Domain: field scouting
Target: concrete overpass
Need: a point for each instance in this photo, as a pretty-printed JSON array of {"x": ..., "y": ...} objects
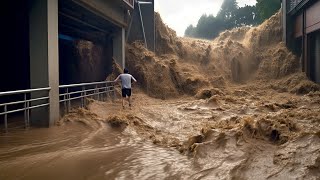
[{"x": 54, "y": 42}]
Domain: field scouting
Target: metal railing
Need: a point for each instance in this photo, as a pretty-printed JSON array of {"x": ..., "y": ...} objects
[
  {"x": 26, "y": 100},
  {"x": 95, "y": 90},
  {"x": 25, "y": 104}
]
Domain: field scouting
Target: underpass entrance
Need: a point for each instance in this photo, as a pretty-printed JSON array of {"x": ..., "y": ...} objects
[
  {"x": 53, "y": 42},
  {"x": 85, "y": 44}
]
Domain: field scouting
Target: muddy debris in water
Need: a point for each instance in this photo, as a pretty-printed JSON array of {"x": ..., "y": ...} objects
[
  {"x": 208, "y": 93},
  {"x": 78, "y": 115},
  {"x": 117, "y": 122},
  {"x": 116, "y": 70}
]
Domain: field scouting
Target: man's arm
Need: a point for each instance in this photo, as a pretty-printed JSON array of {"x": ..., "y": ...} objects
[
  {"x": 133, "y": 79},
  {"x": 117, "y": 79}
]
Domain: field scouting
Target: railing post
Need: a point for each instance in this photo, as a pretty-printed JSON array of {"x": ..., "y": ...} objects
[
  {"x": 105, "y": 92},
  {"x": 82, "y": 97},
  {"x": 114, "y": 93},
  {"x": 65, "y": 101},
  {"x": 25, "y": 111},
  {"x": 69, "y": 101},
  {"x": 28, "y": 113},
  {"x": 97, "y": 94},
  {"x": 5, "y": 118}
]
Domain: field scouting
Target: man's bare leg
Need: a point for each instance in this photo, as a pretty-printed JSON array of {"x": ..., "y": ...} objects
[
  {"x": 129, "y": 100},
  {"x": 123, "y": 102}
]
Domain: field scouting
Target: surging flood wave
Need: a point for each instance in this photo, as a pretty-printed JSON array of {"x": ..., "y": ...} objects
[
  {"x": 236, "y": 107},
  {"x": 187, "y": 66}
]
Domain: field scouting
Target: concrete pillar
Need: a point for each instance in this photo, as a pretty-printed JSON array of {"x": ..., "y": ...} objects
[
  {"x": 284, "y": 20},
  {"x": 44, "y": 62},
  {"x": 317, "y": 58},
  {"x": 119, "y": 47},
  {"x": 304, "y": 59}
]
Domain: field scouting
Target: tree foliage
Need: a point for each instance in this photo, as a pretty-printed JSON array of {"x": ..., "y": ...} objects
[
  {"x": 266, "y": 8},
  {"x": 246, "y": 15},
  {"x": 229, "y": 16},
  {"x": 190, "y": 31},
  {"x": 228, "y": 12}
]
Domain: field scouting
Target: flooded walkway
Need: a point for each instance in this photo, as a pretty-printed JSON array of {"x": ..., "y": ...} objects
[
  {"x": 75, "y": 151},
  {"x": 236, "y": 135}
]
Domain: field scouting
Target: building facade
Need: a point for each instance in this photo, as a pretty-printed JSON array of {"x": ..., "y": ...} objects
[{"x": 301, "y": 24}]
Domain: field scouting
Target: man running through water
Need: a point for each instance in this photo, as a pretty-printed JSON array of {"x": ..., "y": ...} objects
[{"x": 126, "y": 85}]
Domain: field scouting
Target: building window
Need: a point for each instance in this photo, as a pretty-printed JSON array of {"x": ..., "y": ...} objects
[
  {"x": 314, "y": 56},
  {"x": 293, "y": 4}
]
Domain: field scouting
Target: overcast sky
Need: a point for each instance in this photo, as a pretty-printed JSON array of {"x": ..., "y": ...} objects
[{"x": 179, "y": 14}]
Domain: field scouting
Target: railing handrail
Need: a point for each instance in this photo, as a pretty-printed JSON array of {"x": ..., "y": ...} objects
[
  {"x": 24, "y": 91},
  {"x": 84, "y": 84},
  {"x": 27, "y": 100},
  {"x": 100, "y": 88},
  {"x": 27, "y": 104}
]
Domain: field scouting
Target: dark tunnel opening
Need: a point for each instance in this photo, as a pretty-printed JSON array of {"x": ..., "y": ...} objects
[
  {"x": 85, "y": 45},
  {"x": 83, "y": 61}
]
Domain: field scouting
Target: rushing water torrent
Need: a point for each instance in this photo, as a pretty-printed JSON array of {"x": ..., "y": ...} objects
[
  {"x": 207, "y": 128},
  {"x": 238, "y": 135},
  {"x": 76, "y": 152}
]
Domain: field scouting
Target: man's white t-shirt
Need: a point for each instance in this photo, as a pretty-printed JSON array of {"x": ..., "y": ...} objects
[{"x": 125, "y": 80}]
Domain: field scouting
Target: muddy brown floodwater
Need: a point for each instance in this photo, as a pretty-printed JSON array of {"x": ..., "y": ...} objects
[
  {"x": 91, "y": 150},
  {"x": 237, "y": 107},
  {"x": 238, "y": 135}
]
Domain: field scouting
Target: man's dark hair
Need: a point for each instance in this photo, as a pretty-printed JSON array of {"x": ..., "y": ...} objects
[{"x": 126, "y": 70}]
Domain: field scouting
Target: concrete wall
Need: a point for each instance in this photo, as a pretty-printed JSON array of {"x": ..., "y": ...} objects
[
  {"x": 312, "y": 18},
  {"x": 119, "y": 47},
  {"x": 135, "y": 30}
]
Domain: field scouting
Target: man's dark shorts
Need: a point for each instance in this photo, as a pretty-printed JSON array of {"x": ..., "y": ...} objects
[{"x": 126, "y": 92}]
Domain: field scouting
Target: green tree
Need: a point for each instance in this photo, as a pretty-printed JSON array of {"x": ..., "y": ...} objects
[
  {"x": 190, "y": 31},
  {"x": 266, "y": 8},
  {"x": 229, "y": 16},
  {"x": 246, "y": 15},
  {"x": 227, "y": 9},
  {"x": 227, "y": 12}
]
